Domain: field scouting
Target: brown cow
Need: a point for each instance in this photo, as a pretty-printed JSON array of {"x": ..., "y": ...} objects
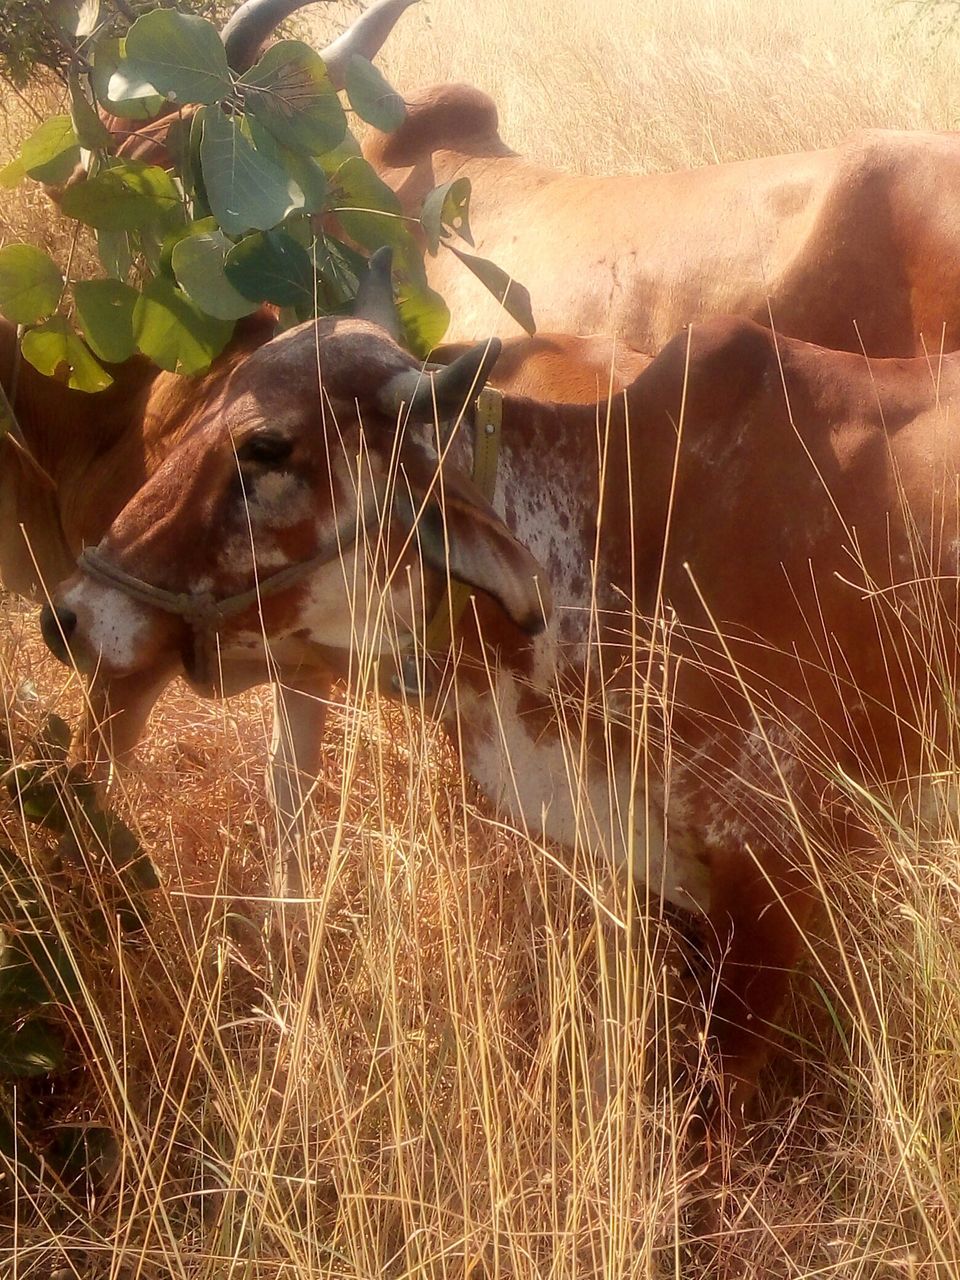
[
  {"x": 853, "y": 247},
  {"x": 114, "y": 442},
  {"x": 773, "y": 606}
]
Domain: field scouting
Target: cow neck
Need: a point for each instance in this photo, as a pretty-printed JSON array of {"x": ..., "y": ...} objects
[
  {"x": 547, "y": 490},
  {"x": 572, "y": 445},
  {"x": 554, "y": 460}
]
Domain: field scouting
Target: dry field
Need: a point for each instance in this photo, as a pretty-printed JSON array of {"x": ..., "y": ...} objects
[{"x": 407, "y": 1086}]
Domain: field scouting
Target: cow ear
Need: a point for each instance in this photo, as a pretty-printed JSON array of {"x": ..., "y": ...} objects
[
  {"x": 445, "y": 393},
  {"x": 459, "y": 533}
]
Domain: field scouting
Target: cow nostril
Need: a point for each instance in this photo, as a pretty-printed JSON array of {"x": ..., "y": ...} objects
[{"x": 57, "y": 625}]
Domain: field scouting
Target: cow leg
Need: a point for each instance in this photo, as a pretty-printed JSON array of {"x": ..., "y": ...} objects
[
  {"x": 116, "y": 713},
  {"x": 756, "y": 937},
  {"x": 299, "y": 712}
]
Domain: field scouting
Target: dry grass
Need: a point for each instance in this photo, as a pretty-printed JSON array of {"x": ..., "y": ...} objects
[
  {"x": 409, "y": 1091},
  {"x": 647, "y": 86}
]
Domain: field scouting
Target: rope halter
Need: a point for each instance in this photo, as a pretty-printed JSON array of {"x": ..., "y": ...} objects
[{"x": 202, "y": 611}]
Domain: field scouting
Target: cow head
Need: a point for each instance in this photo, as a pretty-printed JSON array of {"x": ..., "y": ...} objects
[
  {"x": 312, "y": 459},
  {"x": 444, "y": 117}
]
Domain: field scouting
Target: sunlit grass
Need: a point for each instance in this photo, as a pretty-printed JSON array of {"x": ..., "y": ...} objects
[{"x": 458, "y": 1059}]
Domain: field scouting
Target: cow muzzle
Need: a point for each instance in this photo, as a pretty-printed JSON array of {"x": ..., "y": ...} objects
[{"x": 57, "y": 625}]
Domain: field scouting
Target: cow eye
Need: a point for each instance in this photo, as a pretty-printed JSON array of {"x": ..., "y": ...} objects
[{"x": 265, "y": 447}]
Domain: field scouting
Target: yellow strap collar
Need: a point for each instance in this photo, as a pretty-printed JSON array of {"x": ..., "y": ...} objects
[
  {"x": 403, "y": 671},
  {"x": 488, "y": 428}
]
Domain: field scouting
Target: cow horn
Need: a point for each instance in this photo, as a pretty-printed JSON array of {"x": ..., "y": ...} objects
[
  {"x": 251, "y": 26},
  {"x": 442, "y": 395},
  {"x": 374, "y": 300},
  {"x": 366, "y": 36}
]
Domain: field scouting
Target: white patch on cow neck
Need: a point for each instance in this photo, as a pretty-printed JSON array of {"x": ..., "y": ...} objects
[
  {"x": 114, "y": 625},
  {"x": 536, "y": 781},
  {"x": 548, "y": 520}
]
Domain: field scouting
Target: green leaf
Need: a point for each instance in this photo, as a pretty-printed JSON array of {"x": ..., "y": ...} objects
[
  {"x": 424, "y": 317},
  {"x": 13, "y": 173},
  {"x": 105, "y": 315},
  {"x": 198, "y": 265},
  {"x": 372, "y": 97},
  {"x": 22, "y": 988},
  {"x": 133, "y": 917},
  {"x": 33, "y": 1049},
  {"x": 173, "y": 332},
  {"x": 54, "y": 349},
  {"x": 51, "y": 963},
  {"x": 38, "y": 796},
  {"x": 513, "y": 296},
  {"x": 267, "y": 146},
  {"x": 85, "y": 1157},
  {"x": 53, "y": 739},
  {"x": 115, "y": 253},
  {"x": 198, "y": 227},
  {"x": 331, "y": 161},
  {"x": 290, "y": 93},
  {"x": 18, "y": 1160},
  {"x": 341, "y": 270},
  {"x": 30, "y": 283},
  {"x": 299, "y": 225},
  {"x": 367, "y": 209},
  {"x": 447, "y": 209},
  {"x": 141, "y": 874},
  {"x": 126, "y": 197},
  {"x": 18, "y": 903},
  {"x": 309, "y": 177},
  {"x": 186, "y": 152},
  {"x": 244, "y": 187},
  {"x": 106, "y": 59},
  {"x": 176, "y": 55},
  {"x": 119, "y": 843},
  {"x": 52, "y": 152},
  {"x": 271, "y": 267},
  {"x": 90, "y": 130},
  {"x": 14, "y": 876}
]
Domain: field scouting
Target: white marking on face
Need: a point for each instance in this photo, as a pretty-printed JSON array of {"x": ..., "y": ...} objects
[
  {"x": 234, "y": 556},
  {"x": 336, "y": 607},
  {"x": 277, "y": 500},
  {"x": 114, "y": 625},
  {"x": 344, "y": 609},
  {"x": 273, "y": 501}
]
